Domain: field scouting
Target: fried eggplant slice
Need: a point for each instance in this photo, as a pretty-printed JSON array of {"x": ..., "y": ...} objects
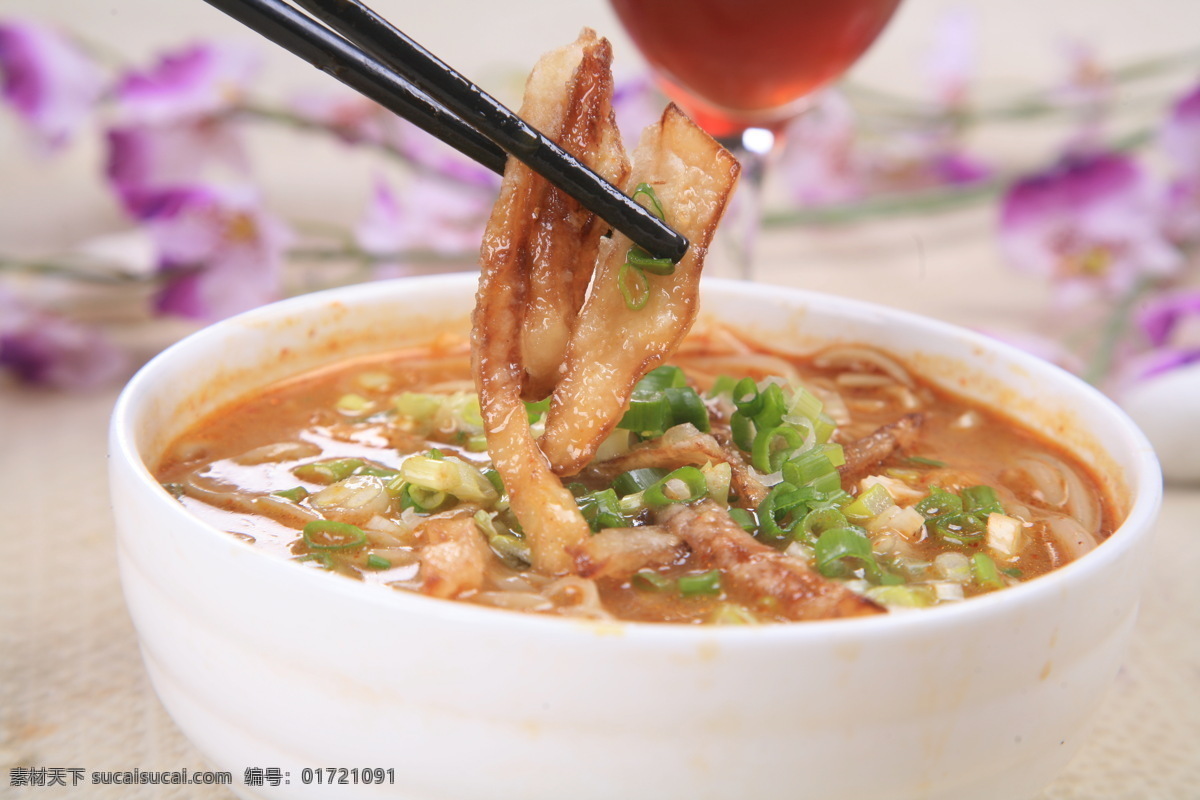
[
  {"x": 564, "y": 235},
  {"x": 613, "y": 344},
  {"x": 547, "y": 511}
]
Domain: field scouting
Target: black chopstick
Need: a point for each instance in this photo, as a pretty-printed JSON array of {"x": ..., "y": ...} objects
[
  {"x": 330, "y": 53},
  {"x": 371, "y": 56}
]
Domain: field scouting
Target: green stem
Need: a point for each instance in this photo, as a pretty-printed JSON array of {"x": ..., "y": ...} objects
[
  {"x": 1104, "y": 356},
  {"x": 924, "y": 201},
  {"x": 254, "y": 111},
  {"x": 50, "y": 269},
  {"x": 943, "y": 198},
  {"x": 353, "y": 253}
]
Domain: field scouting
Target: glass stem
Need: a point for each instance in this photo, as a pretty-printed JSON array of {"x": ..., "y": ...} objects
[{"x": 744, "y": 218}]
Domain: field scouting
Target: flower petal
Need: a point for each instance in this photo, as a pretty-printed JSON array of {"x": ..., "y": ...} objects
[{"x": 47, "y": 80}]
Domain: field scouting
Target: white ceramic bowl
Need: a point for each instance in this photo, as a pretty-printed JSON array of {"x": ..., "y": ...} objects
[{"x": 263, "y": 664}]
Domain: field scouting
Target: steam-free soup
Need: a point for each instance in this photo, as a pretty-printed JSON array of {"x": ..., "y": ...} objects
[{"x": 742, "y": 486}]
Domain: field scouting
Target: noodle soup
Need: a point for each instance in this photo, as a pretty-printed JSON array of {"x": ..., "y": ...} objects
[{"x": 857, "y": 486}]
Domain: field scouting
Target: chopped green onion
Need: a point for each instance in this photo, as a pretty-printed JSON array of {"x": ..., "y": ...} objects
[
  {"x": 686, "y": 406},
  {"x": 512, "y": 549},
  {"x": 871, "y": 503},
  {"x": 985, "y": 571},
  {"x": 328, "y": 534},
  {"x": 494, "y": 479},
  {"x": 837, "y": 544},
  {"x": 536, "y": 408},
  {"x": 418, "y": 407},
  {"x": 602, "y": 510},
  {"x": 637, "y": 480},
  {"x": 925, "y": 462},
  {"x": 805, "y": 404},
  {"x": 959, "y": 528},
  {"x": 378, "y": 472},
  {"x": 638, "y": 295},
  {"x": 907, "y": 596},
  {"x": 295, "y": 495},
  {"x": 782, "y": 501},
  {"x": 330, "y": 471},
  {"x": 705, "y": 583},
  {"x": 743, "y": 431},
  {"x": 324, "y": 559},
  {"x": 773, "y": 446},
  {"x": 743, "y": 391},
  {"x": 451, "y": 475},
  {"x": 353, "y": 404},
  {"x": 420, "y": 498},
  {"x": 810, "y": 465},
  {"x": 648, "y": 581},
  {"x": 176, "y": 490},
  {"x": 744, "y": 519},
  {"x": 647, "y": 191},
  {"x": 722, "y": 385},
  {"x": 939, "y": 502},
  {"x": 818, "y": 521},
  {"x": 378, "y": 562},
  {"x": 637, "y": 257},
  {"x": 648, "y": 416},
  {"x": 684, "y": 485},
  {"x": 981, "y": 500}
]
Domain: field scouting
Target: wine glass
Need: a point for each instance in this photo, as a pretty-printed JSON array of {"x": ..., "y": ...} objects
[{"x": 743, "y": 69}]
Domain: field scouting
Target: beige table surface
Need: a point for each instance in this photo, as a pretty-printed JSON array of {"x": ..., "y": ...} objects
[{"x": 73, "y": 692}]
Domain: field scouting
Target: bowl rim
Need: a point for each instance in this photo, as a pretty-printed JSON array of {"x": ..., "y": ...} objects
[{"x": 1144, "y": 484}]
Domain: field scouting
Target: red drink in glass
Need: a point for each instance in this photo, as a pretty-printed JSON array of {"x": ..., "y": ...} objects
[{"x": 733, "y": 64}]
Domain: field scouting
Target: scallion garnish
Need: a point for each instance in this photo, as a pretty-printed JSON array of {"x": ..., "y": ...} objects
[
  {"x": 378, "y": 562},
  {"x": 328, "y": 534},
  {"x": 638, "y": 262},
  {"x": 986, "y": 574},
  {"x": 647, "y": 191},
  {"x": 634, "y": 286},
  {"x": 636, "y": 480},
  {"x": 925, "y": 462},
  {"x": 601, "y": 509},
  {"x": 705, "y": 583},
  {"x": 839, "y": 544},
  {"x": 295, "y": 495},
  {"x": 330, "y": 471},
  {"x": 684, "y": 485},
  {"x": 648, "y": 581}
]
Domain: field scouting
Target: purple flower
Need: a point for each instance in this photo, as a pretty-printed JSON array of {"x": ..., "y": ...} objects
[
  {"x": 429, "y": 216},
  {"x": 219, "y": 250},
  {"x": 1171, "y": 326},
  {"x": 173, "y": 123},
  {"x": 1169, "y": 317},
  {"x": 950, "y": 64},
  {"x": 1180, "y": 142},
  {"x": 358, "y": 121},
  {"x": 1090, "y": 224},
  {"x": 820, "y": 161},
  {"x": 200, "y": 81},
  {"x": 145, "y": 158},
  {"x": 40, "y": 348},
  {"x": 637, "y": 104},
  {"x": 47, "y": 80}
]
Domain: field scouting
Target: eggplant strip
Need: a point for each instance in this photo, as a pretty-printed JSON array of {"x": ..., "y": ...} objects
[
  {"x": 546, "y": 509},
  {"x": 565, "y": 236},
  {"x": 614, "y": 345}
]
